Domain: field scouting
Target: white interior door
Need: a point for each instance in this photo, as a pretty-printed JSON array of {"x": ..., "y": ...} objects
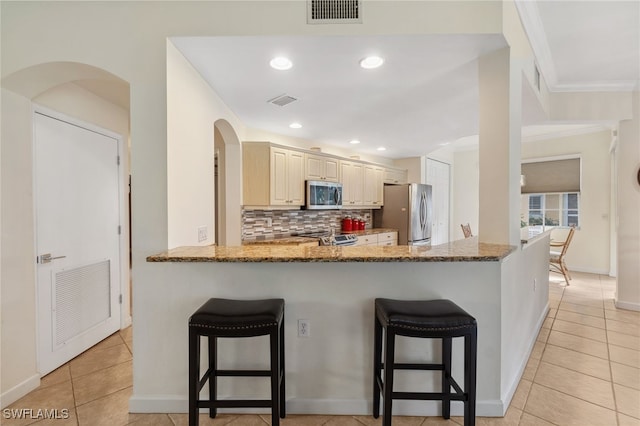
[
  {"x": 77, "y": 190},
  {"x": 438, "y": 177}
]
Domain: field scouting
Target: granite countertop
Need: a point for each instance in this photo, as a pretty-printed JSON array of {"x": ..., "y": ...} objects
[{"x": 467, "y": 250}]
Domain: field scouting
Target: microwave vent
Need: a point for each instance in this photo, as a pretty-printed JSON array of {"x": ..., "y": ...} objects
[
  {"x": 282, "y": 100},
  {"x": 334, "y": 11}
]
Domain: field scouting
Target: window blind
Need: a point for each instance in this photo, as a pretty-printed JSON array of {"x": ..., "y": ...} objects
[{"x": 543, "y": 177}]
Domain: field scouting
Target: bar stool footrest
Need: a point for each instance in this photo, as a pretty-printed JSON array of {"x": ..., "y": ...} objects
[
  {"x": 428, "y": 396},
  {"x": 235, "y": 403}
]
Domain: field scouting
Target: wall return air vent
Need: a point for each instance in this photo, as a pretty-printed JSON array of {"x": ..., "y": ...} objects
[{"x": 334, "y": 11}]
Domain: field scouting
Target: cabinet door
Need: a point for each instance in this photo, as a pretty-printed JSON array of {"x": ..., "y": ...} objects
[
  {"x": 332, "y": 166},
  {"x": 279, "y": 178},
  {"x": 357, "y": 184},
  {"x": 351, "y": 183},
  {"x": 379, "y": 186},
  {"x": 321, "y": 168},
  {"x": 295, "y": 178},
  {"x": 394, "y": 176},
  {"x": 373, "y": 186},
  {"x": 315, "y": 167}
]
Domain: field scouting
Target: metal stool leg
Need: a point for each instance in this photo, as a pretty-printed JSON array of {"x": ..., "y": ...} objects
[
  {"x": 446, "y": 376},
  {"x": 275, "y": 379},
  {"x": 213, "y": 377},
  {"x": 281, "y": 373},
  {"x": 388, "y": 376},
  {"x": 194, "y": 376},
  {"x": 470, "y": 365},
  {"x": 377, "y": 366}
]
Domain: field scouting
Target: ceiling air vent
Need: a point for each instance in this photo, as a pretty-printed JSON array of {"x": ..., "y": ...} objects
[
  {"x": 282, "y": 100},
  {"x": 334, "y": 11}
]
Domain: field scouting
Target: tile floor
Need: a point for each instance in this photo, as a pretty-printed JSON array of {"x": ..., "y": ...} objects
[{"x": 584, "y": 370}]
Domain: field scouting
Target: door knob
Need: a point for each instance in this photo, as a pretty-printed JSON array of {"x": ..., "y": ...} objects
[{"x": 46, "y": 258}]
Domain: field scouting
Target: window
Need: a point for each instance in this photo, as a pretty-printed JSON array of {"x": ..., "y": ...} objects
[{"x": 553, "y": 209}]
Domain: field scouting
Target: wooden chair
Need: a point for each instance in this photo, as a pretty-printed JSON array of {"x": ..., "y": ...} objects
[
  {"x": 556, "y": 258},
  {"x": 466, "y": 230}
]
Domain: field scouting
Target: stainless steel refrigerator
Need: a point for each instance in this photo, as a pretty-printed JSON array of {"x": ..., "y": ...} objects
[{"x": 407, "y": 208}]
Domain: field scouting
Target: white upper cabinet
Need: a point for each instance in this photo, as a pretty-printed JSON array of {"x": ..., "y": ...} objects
[
  {"x": 272, "y": 176},
  {"x": 320, "y": 167},
  {"x": 373, "y": 186},
  {"x": 352, "y": 178},
  {"x": 395, "y": 176}
]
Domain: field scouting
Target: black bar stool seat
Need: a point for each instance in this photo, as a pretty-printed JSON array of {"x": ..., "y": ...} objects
[
  {"x": 440, "y": 319},
  {"x": 236, "y": 318}
]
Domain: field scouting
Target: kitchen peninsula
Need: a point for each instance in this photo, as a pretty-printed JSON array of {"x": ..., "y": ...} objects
[{"x": 333, "y": 288}]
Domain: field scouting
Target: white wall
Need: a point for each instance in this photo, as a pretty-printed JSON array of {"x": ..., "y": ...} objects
[
  {"x": 414, "y": 168},
  {"x": 36, "y": 33},
  {"x": 192, "y": 109},
  {"x": 525, "y": 302},
  {"x": 465, "y": 193},
  {"x": 17, "y": 269},
  {"x": 628, "y": 220},
  {"x": 75, "y": 101},
  {"x": 589, "y": 250}
]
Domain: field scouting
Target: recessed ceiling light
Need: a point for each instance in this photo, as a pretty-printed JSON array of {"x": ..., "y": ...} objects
[
  {"x": 295, "y": 125},
  {"x": 382, "y": 148},
  {"x": 281, "y": 63},
  {"x": 371, "y": 62},
  {"x": 355, "y": 141}
]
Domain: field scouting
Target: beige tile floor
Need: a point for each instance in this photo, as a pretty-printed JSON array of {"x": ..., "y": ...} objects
[{"x": 584, "y": 370}]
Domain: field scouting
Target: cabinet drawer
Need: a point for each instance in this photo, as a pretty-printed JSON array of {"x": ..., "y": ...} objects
[
  {"x": 364, "y": 240},
  {"x": 388, "y": 237}
]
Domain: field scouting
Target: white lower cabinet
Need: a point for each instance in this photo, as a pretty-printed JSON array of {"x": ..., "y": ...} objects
[
  {"x": 388, "y": 239},
  {"x": 382, "y": 239}
]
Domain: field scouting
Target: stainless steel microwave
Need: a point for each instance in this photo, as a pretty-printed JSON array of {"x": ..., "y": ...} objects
[{"x": 323, "y": 195}]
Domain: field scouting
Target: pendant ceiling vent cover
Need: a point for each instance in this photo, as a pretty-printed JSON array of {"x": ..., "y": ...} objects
[
  {"x": 334, "y": 11},
  {"x": 282, "y": 100}
]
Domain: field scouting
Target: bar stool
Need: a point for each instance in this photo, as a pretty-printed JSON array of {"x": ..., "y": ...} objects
[
  {"x": 236, "y": 318},
  {"x": 440, "y": 319}
]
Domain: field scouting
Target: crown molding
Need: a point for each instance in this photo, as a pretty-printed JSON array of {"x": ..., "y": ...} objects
[{"x": 601, "y": 86}]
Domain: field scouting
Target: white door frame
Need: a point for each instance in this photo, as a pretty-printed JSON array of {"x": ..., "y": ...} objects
[{"x": 123, "y": 191}]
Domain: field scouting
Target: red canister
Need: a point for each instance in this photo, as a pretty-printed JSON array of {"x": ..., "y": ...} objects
[
  {"x": 361, "y": 225},
  {"x": 347, "y": 224}
]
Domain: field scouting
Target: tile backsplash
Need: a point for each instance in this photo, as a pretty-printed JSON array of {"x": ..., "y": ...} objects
[{"x": 264, "y": 224}]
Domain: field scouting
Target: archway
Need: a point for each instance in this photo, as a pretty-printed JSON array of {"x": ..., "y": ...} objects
[
  {"x": 228, "y": 187},
  {"x": 68, "y": 88}
]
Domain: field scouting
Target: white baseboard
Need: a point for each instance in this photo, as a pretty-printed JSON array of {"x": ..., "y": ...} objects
[
  {"x": 589, "y": 270},
  {"x": 20, "y": 390},
  {"x": 126, "y": 322},
  {"x": 354, "y": 407},
  {"x": 632, "y": 306}
]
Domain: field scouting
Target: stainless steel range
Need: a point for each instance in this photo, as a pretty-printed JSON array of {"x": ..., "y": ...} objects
[
  {"x": 331, "y": 239},
  {"x": 339, "y": 240}
]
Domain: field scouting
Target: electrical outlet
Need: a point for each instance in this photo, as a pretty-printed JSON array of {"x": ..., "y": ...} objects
[
  {"x": 304, "y": 328},
  {"x": 269, "y": 222},
  {"x": 202, "y": 234}
]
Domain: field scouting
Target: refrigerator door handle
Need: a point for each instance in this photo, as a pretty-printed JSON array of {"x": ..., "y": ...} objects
[{"x": 423, "y": 205}]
